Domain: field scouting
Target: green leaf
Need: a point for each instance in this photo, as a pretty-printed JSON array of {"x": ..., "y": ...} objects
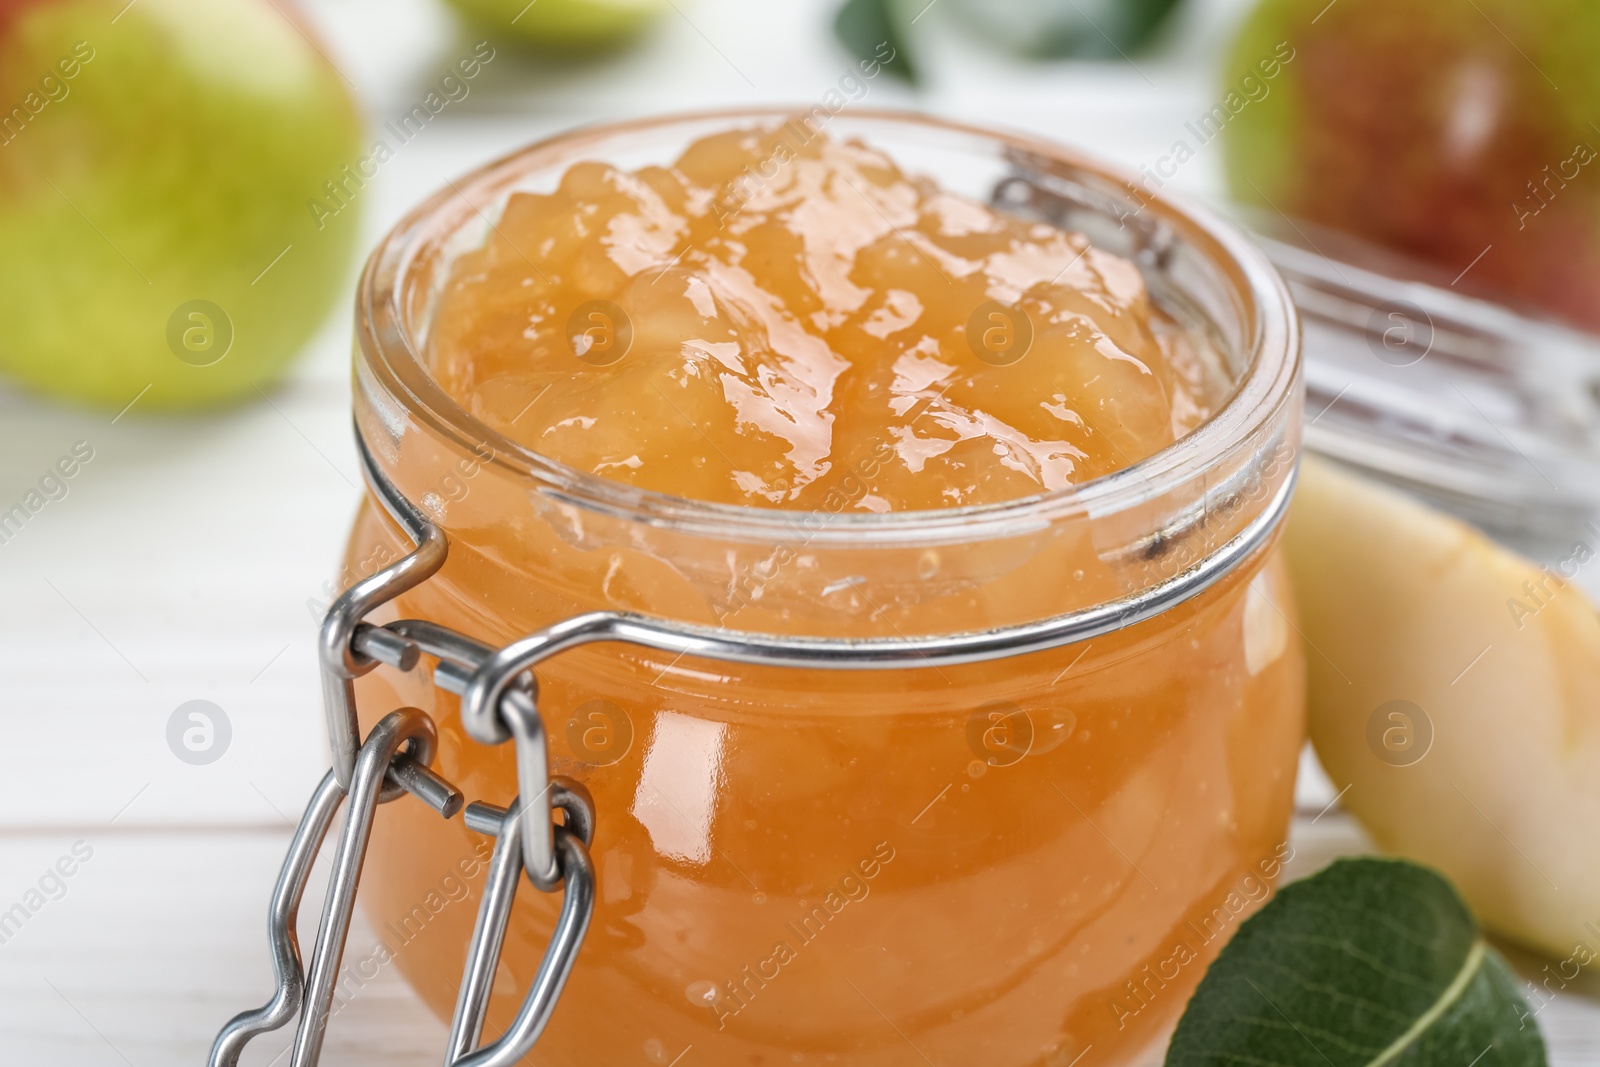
[
  {"x": 1055, "y": 29},
  {"x": 871, "y": 30},
  {"x": 1141, "y": 19},
  {"x": 1370, "y": 962}
]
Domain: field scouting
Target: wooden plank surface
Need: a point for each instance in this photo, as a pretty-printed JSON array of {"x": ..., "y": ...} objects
[{"x": 159, "y": 937}]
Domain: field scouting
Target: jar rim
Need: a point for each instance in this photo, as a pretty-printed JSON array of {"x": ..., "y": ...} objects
[{"x": 387, "y": 341}]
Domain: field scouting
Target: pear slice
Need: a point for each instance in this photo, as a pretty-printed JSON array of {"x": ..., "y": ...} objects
[{"x": 1455, "y": 689}]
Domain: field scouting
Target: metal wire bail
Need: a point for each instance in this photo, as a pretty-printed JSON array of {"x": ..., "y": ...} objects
[
  {"x": 386, "y": 769},
  {"x": 392, "y": 763},
  {"x": 576, "y": 872}
]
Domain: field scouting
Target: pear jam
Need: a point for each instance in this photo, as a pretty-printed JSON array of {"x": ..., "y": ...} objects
[
  {"x": 1027, "y": 861},
  {"x": 780, "y": 327}
]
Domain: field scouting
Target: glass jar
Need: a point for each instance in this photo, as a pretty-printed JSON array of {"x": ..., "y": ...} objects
[{"x": 1028, "y": 860}]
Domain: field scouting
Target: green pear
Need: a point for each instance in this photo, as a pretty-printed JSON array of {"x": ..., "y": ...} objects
[
  {"x": 1461, "y": 135},
  {"x": 563, "y": 24},
  {"x": 161, "y": 167}
]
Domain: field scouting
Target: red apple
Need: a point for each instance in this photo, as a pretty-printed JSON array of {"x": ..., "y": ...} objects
[{"x": 1460, "y": 134}]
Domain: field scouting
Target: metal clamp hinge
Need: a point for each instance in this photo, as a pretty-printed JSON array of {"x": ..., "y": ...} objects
[{"x": 394, "y": 760}]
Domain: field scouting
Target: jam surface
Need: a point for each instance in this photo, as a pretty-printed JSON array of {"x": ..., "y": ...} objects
[{"x": 711, "y": 332}]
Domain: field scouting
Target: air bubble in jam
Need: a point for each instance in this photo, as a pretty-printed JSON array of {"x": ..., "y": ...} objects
[{"x": 841, "y": 336}]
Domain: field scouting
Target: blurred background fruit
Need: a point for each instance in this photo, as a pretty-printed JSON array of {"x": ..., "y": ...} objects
[
  {"x": 159, "y": 230},
  {"x": 1462, "y": 135},
  {"x": 563, "y": 24}
]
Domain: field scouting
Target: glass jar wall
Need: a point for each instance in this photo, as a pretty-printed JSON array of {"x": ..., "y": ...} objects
[{"x": 1018, "y": 862}]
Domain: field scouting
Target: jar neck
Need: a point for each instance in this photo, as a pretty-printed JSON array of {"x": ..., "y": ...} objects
[{"x": 534, "y": 558}]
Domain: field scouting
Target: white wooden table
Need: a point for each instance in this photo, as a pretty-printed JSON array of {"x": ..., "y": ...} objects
[{"x": 180, "y": 565}]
